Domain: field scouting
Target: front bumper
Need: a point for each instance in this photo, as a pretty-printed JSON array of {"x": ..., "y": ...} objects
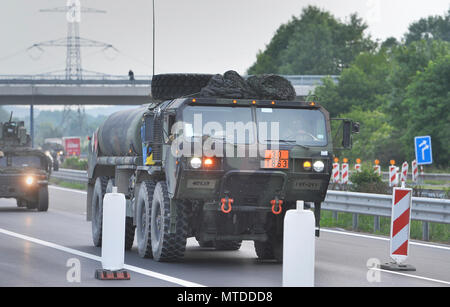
[
  {"x": 16, "y": 186},
  {"x": 251, "y": 188}
]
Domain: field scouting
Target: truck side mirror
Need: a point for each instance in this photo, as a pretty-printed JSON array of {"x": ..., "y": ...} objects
[{"x": 347, "y": 134}]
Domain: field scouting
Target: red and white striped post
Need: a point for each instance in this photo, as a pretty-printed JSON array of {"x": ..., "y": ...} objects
[
  {"x": 393, "y": 178},
  {"x": 335, "y": 172},
  {"x": 415, "y": 171},
  {"x": 358, "y": 165},
  {"x": 377, "y": 168},
  {"x": 400, "y": 230},
  {"x": 404, "y": 174},
  {"x": 344, "y": 171}
]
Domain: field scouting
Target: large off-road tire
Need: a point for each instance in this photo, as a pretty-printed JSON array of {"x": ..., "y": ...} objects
[
  {"x": 167, "y": 246},
  {"x": 227, "y": 245},
  {"x": 97, "y": 209},
  {"x": 143, "y": 217},
  {"x": 171, "y": 86},
  {"x": 129, "y": 227},
  {"x": 42, "y": 203}
]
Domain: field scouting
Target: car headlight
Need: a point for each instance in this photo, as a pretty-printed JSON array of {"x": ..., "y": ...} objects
[
  {"x": 196, "y": 162},
  {"x": 29, "y": 180},
  {"x": 318, "y": 166}
]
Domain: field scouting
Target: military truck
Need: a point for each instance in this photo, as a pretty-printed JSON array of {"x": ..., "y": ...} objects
[
  {"x": 222, "y": 170},
  {"x": 24, "y": 171},
  {"x": 55, "y": 150}
]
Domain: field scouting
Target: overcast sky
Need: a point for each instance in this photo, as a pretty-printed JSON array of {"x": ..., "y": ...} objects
[{"x": 209, "y": 36}]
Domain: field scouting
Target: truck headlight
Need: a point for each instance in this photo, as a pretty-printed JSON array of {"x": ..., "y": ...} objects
[
  {"x": 29, "y": 180},
  {"x": 196, "y": 162},
  {"x": 318, "y": 166}
]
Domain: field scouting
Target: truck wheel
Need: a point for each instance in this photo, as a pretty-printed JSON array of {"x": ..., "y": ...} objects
[
  {"x": 42, "y": 204},
  {"x": 171, "y": 86},
  {"x": 143, "y": 218},
  {"x": 227, "y": 245},
  {"x": 97, "y": 209},
  {"x": 167, "y": 246},
  {"x": 129, "y": 227}
]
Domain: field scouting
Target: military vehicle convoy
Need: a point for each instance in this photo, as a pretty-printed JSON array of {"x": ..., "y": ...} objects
[
  {"x": 216, "y": 158},
  {"x": 24, "y": 171}
]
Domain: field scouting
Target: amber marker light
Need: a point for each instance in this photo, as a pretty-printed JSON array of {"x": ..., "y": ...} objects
[
  {"x": 208, "y": 162},
  {"x": 345, "y": 160},
  {"x": 194, "y": 100},
  {"x": 234, "y": 101},
  {"x": 307, "y": 165},
  {"x": 392, "y": 162},
  {"x": 358, "y": 161},
  {"x": 254, "y": 101},
  {"x": 336, "y": 160},
  {"x": 377, "y": 162}
]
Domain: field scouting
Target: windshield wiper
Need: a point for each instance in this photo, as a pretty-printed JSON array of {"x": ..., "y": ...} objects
[{"x": 289, "y": 142}]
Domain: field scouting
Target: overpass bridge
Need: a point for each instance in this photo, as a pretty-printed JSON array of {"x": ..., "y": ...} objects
[{"x": 100, "y": 90}]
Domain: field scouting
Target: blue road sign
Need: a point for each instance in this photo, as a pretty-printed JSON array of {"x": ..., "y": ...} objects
[{"x": 424, "y": 154}]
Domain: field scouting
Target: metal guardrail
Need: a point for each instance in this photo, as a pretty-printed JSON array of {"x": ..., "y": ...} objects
[
  {"x": 70, "y": 175},
  {"x": 423, "y": 209}
]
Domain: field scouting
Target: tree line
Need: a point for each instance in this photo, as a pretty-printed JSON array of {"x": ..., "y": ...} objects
[{"x": 396, "y": 89}]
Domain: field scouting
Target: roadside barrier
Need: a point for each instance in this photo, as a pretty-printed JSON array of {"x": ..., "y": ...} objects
[
  {"x": 344, "y": 172},
  {"x": 415, "y": 171},
  {"x": 299, "y": 247},
  {"x": 404, "y": 173},
  {"x": 335, "y": 173},
  {"x": 113, "y": 238},
  {"x": 400, "y": 229}
]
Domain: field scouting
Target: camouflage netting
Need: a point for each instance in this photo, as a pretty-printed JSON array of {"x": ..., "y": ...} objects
[{"x": 264, "y": 87}]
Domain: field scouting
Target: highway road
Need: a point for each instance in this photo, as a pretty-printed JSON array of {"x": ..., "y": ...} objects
[{"x": 46, "y": 248}]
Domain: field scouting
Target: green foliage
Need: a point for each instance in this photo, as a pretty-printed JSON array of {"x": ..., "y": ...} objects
[
  {"x": 433, "y": 27},
  {"x": 397, "y": 92},
  {"x": 368, "y": 181},
  {"x": 374, "y": 140},
  {"x": 428, "y": 97},
  {"x": 75, "y": 163},
  {"x": 316, "y": 44},
  {"x": 362, "y": 85}
]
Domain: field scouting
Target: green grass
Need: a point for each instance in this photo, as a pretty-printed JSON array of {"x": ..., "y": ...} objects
[
  {"x": 69, "y": 185},
  {"x": 438, "y": 232}
]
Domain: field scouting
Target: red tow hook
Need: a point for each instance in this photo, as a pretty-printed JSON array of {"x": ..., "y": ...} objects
[
  {"x": 276, "y": 206},
  {"x": 226, "y": 204}
]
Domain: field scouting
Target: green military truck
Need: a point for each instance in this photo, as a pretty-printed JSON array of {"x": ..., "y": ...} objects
[
  {"x": 216, "y": 168},
  {"x": 24, "y": 171}
]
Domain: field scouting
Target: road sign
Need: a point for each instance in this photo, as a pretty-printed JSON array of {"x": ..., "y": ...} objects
[{"x": 424, "y": 155}]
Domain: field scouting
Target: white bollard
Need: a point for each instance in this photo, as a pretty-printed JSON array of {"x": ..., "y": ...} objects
[
  {"x": 299, "y": 247},
  {"x": 113, "y": 237}
]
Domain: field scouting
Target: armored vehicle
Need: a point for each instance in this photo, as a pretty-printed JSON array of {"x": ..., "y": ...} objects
[
  {"x": 24, "y": 171},
  {"x": 222, "y": 170}
]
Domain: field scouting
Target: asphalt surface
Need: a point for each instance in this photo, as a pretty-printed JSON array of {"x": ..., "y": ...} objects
[{"x": 51, "y": 248}]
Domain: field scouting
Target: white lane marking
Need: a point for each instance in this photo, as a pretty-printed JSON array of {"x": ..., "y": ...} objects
[
  {"x": 413, "y": 276},
  {"x": 67, "y": 190},
  {"x": 75, "y": 252},
  {"x": 447, "y": 248}
]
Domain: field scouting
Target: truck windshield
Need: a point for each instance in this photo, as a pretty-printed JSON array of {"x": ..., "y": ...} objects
[
  {"x": 231, "y": 124},
  {"x": 297, "y": 126},
  {"x": 23, "y": 161}
]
